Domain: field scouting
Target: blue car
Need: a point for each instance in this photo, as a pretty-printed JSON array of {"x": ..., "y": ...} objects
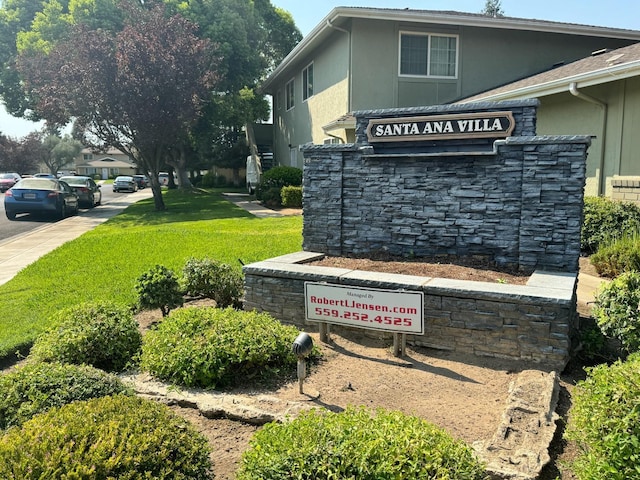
[{"x": 40, "y": 196}]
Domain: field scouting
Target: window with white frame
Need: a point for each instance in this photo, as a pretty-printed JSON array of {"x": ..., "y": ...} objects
[
  {"x": 289, "y": 92},
  {"x": 428, "y": 55},
  {"x": 307, "y": 82}
]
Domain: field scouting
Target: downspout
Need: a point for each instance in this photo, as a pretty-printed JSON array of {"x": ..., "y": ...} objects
[
  {"x": 573, "y": 89},
  {"x": 330, "y": 25}
]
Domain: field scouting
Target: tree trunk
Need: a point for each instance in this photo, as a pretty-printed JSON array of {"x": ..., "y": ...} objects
[{"x": 179, "y": 163}]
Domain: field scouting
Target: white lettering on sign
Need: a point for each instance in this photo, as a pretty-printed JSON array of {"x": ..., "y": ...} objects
[
  {"x": 442, "y": 127},
  {"x": 389, "y": 310}
]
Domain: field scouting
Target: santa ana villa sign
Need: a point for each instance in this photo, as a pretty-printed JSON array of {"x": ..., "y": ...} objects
[{"x": 441, "y": 127}]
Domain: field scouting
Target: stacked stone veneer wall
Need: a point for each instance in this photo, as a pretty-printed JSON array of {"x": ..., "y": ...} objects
[
  {"x": 518, "y": 202},
  {"x": 532, "y": 323}
]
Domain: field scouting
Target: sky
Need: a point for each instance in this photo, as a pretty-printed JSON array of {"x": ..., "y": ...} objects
[{"x": 611, "y": 13}]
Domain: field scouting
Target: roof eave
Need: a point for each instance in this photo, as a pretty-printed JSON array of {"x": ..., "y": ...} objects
[
  {"x": 443, "y": 18},
  {"x": 588, "y": 79}
]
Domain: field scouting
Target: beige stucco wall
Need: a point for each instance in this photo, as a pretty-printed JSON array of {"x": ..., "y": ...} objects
[
  {"x": 303, "y": 123},
  {"x": 565, "y": 114}
]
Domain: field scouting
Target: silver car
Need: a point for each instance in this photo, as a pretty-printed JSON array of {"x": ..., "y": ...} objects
[{"x": 125, "y": 184}]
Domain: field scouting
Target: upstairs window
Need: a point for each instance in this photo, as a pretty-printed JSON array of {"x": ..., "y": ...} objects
[
  {"x": 307, "y": 82},
  {"x": 289, "y": 92},
  {"x": 428, "y": 55}
]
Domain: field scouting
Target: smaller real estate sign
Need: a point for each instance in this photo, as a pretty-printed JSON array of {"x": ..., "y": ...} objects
[
  {"x": 441, "y": 127},
  {"x": 389, "y": 310}
]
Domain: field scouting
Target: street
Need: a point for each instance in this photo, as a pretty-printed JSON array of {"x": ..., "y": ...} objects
[{"x": 26, "y": 223}]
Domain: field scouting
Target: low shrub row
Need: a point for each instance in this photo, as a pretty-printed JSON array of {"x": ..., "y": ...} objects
[
  {"x": 159, "y": 287},
  {"x": 270, "y": 189}
]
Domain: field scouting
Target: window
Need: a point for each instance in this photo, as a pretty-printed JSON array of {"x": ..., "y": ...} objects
[
  {"x": 87, "y": 157},
  {"x": 289, "y": 92},
  {"x": 307, "y": 82},
  {"x": 427, "y": 55}
]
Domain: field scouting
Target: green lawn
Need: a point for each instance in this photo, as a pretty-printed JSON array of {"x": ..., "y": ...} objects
[{"x": 105, "y": 262}]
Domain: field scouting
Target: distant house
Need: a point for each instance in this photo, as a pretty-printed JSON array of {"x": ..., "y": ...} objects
[
  {"x": 598, "y": 95},
  {"x": 107, "y": 164},
  {"x": 371, "y": 58}
]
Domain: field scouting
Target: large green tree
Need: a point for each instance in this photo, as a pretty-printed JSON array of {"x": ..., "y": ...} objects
[
  {"x": 251, "y": 36},
  {"x": 139, "y": 90}
]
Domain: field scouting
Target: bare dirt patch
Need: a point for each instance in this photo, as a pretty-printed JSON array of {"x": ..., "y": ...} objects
[
  {"x": 465, "y": 395},
  {"x": 472, "y": 269}
]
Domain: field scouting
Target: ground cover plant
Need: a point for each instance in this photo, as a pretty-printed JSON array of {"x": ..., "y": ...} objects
[
  {"x": 121, "y": 249},
  {"x": 209, "y": 347},
  {"x": 119, "y": 436},
  {"x": 101, "y": 334},
  {"x": 357, "y": 443},
  {"x": 37, "y": 387}
]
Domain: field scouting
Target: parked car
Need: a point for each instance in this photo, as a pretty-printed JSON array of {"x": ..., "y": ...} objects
[
  {"x": 8, "y": 180},
  {"x": 44, "y": 175},
  {"x": 141, "y": 180},
  {"x": 125, "y": 184},
  {"x": 40, "y": 196},
  {"x": 88, "y": 191}
]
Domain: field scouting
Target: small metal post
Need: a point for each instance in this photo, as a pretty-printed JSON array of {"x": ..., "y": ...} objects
[{"x": 302, "y": 372}]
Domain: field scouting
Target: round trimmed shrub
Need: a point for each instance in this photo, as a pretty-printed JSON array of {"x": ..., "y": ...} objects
[
  {"x": 291, "y": 196},
  {"x": 605, "y": 421},
  {"x": 209, "y": 347},
  {"x": 159, "y": 287},
  {"x": 357, "y": 444},
  {"x": 121, "y": 437},
  {"x": 616, "y": 310},
  {"x": 37, "y": 387},
  {"x": 212, "y": 279},
  {"x": 104, "y": 335}
]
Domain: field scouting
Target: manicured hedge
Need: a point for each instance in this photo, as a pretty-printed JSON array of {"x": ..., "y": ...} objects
[
  {"x": 606, "y": 220},
  {"x": 605, "y": 422},
  {"x": 118, "y": 437},
  {"x": 357, "y": 444},
  {"x": 102, "y": 334},
  {"x": 37, "y": 387},
  {"x": 209, "y": 347}
]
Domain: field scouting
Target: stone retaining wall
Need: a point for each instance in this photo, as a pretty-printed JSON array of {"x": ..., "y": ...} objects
[
  {"x": 517, "y": 202},
  {"x": 532, "y": 323}
]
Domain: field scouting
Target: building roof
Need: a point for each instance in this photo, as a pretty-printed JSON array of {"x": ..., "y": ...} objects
[
  {"x": 107, "y": 163},
  {"x": 601, "y": 67},
  {"x": 339, "y": 16}
]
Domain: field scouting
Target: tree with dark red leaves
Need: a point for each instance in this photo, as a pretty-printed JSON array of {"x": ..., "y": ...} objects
[{"x": 140, "y": 89}]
